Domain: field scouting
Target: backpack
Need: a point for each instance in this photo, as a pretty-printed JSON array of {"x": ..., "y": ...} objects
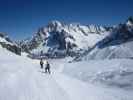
[{"x": 41, "y": 62}]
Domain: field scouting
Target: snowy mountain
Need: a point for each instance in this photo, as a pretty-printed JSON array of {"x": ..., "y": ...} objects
[
  {"x": 7, "y": 43},
  {"x": 117, "y": 44},
  {"x": 81, "y": 41},
  {"x": 59, "y": 39}
]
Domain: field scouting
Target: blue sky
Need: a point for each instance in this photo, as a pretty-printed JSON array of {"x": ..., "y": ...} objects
[{"x": 21, "y": 18}]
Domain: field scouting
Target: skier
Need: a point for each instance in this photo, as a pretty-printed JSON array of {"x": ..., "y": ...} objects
[
  {"x": 41, "y": 63},
  {"x": 47, "y": 68}
]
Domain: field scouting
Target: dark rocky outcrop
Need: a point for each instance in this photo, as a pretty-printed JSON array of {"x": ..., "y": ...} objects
[{"x": 9, "y": 45}]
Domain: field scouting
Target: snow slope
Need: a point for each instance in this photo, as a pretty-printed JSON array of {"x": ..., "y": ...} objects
[
  {"x": 118, "y": 44},
  {"x": 124, "y": 50},
  {"x": 21, "y": 79},
  {"x": 115, "y": 73}
]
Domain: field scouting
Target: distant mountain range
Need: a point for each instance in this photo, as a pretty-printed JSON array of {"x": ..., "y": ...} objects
[{"x": 58, "y": 39}]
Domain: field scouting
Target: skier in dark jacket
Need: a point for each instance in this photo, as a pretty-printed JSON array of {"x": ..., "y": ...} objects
[
  {"x": 47, "y": 68},
  {"x": 41, "y": 63}
]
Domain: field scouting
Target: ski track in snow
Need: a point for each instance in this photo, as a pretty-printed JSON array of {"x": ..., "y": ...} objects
[{"x": 52, "y": 90}]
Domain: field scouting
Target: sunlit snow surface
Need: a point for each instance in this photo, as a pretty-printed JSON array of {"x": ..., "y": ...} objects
[{"x": 22, "y": 79}]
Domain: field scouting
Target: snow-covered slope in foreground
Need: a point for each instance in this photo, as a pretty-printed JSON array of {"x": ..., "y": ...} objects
[
  {"x": 21, "y": 79},
  {"x": 115, "y": 73}
]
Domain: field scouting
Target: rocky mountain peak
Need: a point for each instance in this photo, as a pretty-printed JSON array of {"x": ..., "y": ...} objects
[
  {"x": 130, "y": 21},
  {"x": 53, "y": 25}
]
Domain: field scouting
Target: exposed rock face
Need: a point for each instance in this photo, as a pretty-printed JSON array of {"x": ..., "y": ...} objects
[
  {"x": 59, "y": 40},
  {"x": 5, "y": 42}
]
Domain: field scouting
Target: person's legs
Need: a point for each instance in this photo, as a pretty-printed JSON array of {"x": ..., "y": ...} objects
[
  {"x": 46, "y": 70},
  {"x": 49, "y": 70},
  {"x": 41, "y": 66}
]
